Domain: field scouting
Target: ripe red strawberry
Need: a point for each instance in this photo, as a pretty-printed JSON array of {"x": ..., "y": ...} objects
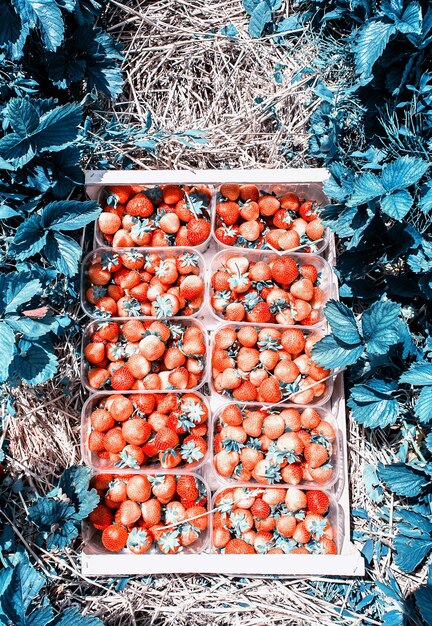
[
  {"x": 260, "y": 509},
  {"x": 249, "y": 192},
  {"x": 114, "y": 537},
  {"x": 230, "y": 379},
  {"x": 140, "y": 206},
  {"x": 193, "y": 342},
  {"x": 174, "y": 358},
  {"x": 310, "y": 418},
  {"x": 122, "y": 379},
  {"x": 183, "y": 211},
  {"x": 198, "y": 443},
  {"x": 172, "y": 194},
  {"x": 221, "y": 361},
  {"x": 315, "y": 229},
  {"x": 228, "y": 212},
  {"x": 101, "y": 517},
  {"x": 289, "y": 240},
  {"x": 140, "y": 540},
  {"x": 130, "y": 279},
  {"x": 232, "y": 415},
  {"x": 94, "y": 352},
  {"x": 309, "y": 271},
  {"x": 301, "y": 533},
  {"x": 316, "y": 372},
  {"x": 307, "y": 212},
  {"x": 159, "y": 239},
  {"x": 317, "y": 502},
  {"x": 286, "y": 525},
  {"x": 109, "y": 223},
  {"x": 96, "y": 441},
  {"x": 109, "y": 331},
  {"x": 97, "y": 377},
  {"x": 238, "y": 546},
  {"x": 199, "y": 513},
  {"x": 302, "y": 289},
  {"x": 269, "y": 390},
  {"x": 227, "y": 234},
  {"x": 121, "y": 193},
  {"x": 326, "y": 430},
  {"x": 225, "y": 337},
  {"x": 167, "y": 403},
  {"x": 191, "y": 287},
  {"x": 107, "y": 304},
  {"x": 179, "y": 378},
  {"x": 166, "y": 438},
  {"x": 292, "y": 474},
  {"x": 247, "y": 359},
  {"x": 284, "y": 270},
  {"x": 98, "y": 275},
  {"x": 290, "y": 201},
  {"x": 268, "y": 205},
  {"x": 273, "y": 427},
  {"x": 101, "y": 420},
  {"x": 114, "y": 441},
  {"x": 250, "y": 230},
  {"x": 138, "y": 488},
  {"x": 133, "y": 259},
  {"x": 220, "y": 281},
  {"x": 187, "y": 488},
  {"x": 329, "y": 546},
  {"x": 198, "y": 231},
  {"x": 260, "y": 313},
  {"x": 139, "y": 292},
  {"x": 128, "y": 513},
  {"x": 282, "y": 219},
  {"x": 181, "y": 238},
  {"x": 293, "y": 340},
  {"x": 315, "y": 454},
  {"x": 120, "y": 407},
  {"x": 246, "y": 392},
  {"x": 144, "y": 402},
  {"x": 235, "y": 312},
  {"x": 151, "y": 512},
  {"x": 231, "y": 191},
  {"x": 250, "y": 211},
  {"x": 136, "y": 431}
]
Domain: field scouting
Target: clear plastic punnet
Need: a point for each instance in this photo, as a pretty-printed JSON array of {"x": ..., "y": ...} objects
[
  {"x": 93, "y": 537},
  {"x": 290, "y": 392},
  {"x": 177, "y": 326},
  {"x": 200, "y": 198},
  {"x": 106, "y": 257},
  {"x": 243, "y": 496},
  {"x": 324, "y": 281},
  {"x": 99, "y": 462},
  {"x": 274, "y": 459},
  {"x": 306, "y": 191}
]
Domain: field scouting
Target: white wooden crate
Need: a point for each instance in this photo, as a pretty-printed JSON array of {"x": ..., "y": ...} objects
[{"x": 349, "y": 561}]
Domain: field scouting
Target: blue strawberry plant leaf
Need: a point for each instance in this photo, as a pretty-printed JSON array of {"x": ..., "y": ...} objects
[{"x": 373, "y": 403}]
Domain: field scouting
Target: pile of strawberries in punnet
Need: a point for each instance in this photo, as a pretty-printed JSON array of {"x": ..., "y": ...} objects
[
  {"x": 145, "y": 355},
  {"x": 266, "y": 365},
  {"x": 145, "y": 429},
  {"x": 278, "y": 292},
  {"x": 163, "y": 215},
  {"x": 285, "y": 445},
  {"x": 273, "y": 521},
  {"x": 139, "y": 283},
  {"x": 137, "y": 512},
  {"x": 250, "y": 218}
]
